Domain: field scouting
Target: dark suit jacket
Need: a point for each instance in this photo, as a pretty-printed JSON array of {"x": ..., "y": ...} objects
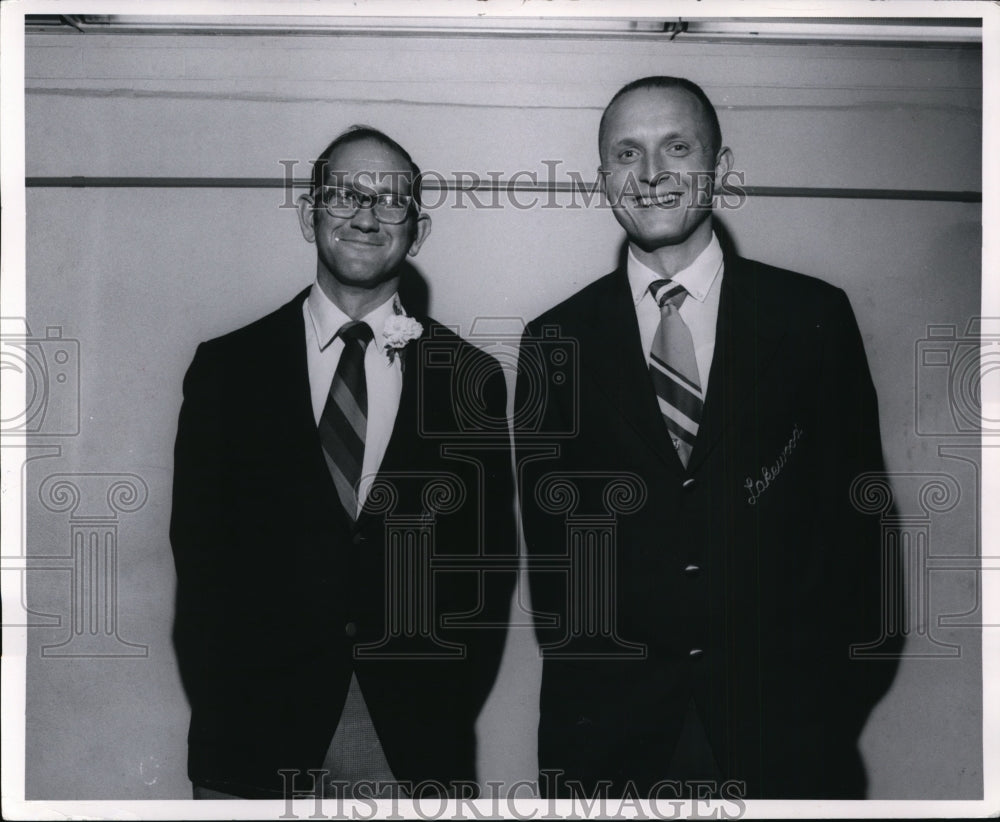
[
  {"x": 278, "y": 590},
  {"x": 743, "y": 579}
]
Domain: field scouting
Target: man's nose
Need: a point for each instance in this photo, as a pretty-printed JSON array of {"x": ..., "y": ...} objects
[
  {"x": 654, "y": 171},
  {"x": 364, "y": 218},
  {"x": 649, "y": 169}
]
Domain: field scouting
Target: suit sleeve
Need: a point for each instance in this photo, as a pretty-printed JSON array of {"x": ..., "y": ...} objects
[
  {"x": 479, "y": 613},
  {"x": 862, "y": 568},
  {"x": 500, "y": 532},
  {"x": 199, "y": 535},
  {"x": 538, "y": 422}
]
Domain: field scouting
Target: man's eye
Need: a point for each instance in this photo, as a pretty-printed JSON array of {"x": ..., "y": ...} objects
[
  {"x": 391, "y": 200},
  {"x": 339, "y": 196},
  {"x": 678, "y": 148},
  {"x": 628, "y": 154}
]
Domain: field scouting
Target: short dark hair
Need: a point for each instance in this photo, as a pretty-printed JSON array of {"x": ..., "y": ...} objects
[
  {"x": 356, "y": 134},
  {"x": 663, "y": 82}
]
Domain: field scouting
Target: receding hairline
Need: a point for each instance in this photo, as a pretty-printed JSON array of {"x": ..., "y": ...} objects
[
  {"x": 708, "y": 116},
  {"x": 377, "y": 141},
  {"x": 360, "y": 133}
]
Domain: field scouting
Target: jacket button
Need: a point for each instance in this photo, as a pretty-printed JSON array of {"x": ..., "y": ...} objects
[
  {"x": 351, "y": 629},
  {"x": 358, "y": 538},
  {"x": 692, "y": 570},
  {"x": 689, "y": 484},
  {"x": 694, "y": 653}
]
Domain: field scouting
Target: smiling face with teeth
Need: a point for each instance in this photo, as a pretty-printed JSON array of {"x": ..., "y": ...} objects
[{"x": 658, "y": 165}]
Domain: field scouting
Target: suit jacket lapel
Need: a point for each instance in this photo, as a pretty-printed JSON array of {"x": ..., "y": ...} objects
[
  {"x": 749, "y": 329},
  {"x": 289, "y": 366},
  {"x": 611, "y": 351}
]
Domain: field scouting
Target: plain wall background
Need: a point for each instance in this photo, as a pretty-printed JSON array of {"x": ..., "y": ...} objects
[{"x": 140, "y": 275}]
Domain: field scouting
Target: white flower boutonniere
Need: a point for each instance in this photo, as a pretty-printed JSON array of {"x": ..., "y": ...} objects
[{"x": 397, "y": 332}]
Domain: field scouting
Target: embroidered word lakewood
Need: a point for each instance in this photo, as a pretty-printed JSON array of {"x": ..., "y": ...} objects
[{"x": 770, "y": 472}]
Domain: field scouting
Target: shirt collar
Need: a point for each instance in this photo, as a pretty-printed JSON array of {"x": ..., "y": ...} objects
[
  {"x": 328, "y": 318},
  {"x": 697, "y": 278}
]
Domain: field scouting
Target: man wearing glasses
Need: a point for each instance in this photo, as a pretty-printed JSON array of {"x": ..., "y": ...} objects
[{"x": 317, "y": 482}]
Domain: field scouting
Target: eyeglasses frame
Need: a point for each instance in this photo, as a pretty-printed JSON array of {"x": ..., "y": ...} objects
[{"x": 363, "y": 200}]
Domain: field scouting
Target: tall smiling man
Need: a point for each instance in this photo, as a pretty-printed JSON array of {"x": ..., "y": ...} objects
[
  {"x": 710, "y": 642},
  {"x": 316, "y": 485}
]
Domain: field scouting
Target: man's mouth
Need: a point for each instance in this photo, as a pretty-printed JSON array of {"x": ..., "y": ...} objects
[
  {"x": 669, "y": 200},
  {"x": 356, "y": 241}
]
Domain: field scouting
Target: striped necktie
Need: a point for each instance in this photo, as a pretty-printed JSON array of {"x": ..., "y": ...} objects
[
  {"x": 674, "y": 369},
  {"x": 355, "y": 753},
  {"x": 344, "y": 421}
]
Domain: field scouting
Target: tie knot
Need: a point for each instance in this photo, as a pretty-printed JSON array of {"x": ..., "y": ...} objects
[
  {"x": 667, "y": 291},
  {"x": 356, "y": 332}
]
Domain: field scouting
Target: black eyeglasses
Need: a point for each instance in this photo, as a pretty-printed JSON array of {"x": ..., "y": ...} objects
[{"x": 387, "y": 207}]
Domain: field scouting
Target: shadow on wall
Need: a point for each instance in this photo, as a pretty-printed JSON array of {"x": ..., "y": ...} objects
[{"x": 414, "y": 292}]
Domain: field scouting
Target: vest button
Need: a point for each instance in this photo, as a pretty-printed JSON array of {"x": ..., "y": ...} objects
[
  {"x": 351, "y": 629},
  {"x": 694, "y": 653},
  {"x": 689, "y": 484},
  {"x": 692, "y": 570}
]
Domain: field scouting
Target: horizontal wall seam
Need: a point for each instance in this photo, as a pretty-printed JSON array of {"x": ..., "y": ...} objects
[
  {"x": 492, "y": 185},
  {"x": 232, "y": 95}
]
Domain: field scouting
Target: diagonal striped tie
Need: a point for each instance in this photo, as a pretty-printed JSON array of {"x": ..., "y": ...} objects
[
  {"x": 344, "y": 421},
  {"x": 674, "y": 369},
  {"x": 355, "y": 752}
]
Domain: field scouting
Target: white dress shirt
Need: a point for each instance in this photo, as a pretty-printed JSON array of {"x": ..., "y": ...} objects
[
  {"x": 700, "y": 310},
  {"x": 323, "y": 319}
]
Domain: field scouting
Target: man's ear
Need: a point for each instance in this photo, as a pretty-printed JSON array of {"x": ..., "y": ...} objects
[
  {"x": 723, "y": 165},
  {"x": 423, "y": 231},
  {"x": 306, "y": 208}
]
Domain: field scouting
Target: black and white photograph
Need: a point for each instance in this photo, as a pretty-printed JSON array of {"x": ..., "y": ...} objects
[{"x": 488, "y": 409}]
